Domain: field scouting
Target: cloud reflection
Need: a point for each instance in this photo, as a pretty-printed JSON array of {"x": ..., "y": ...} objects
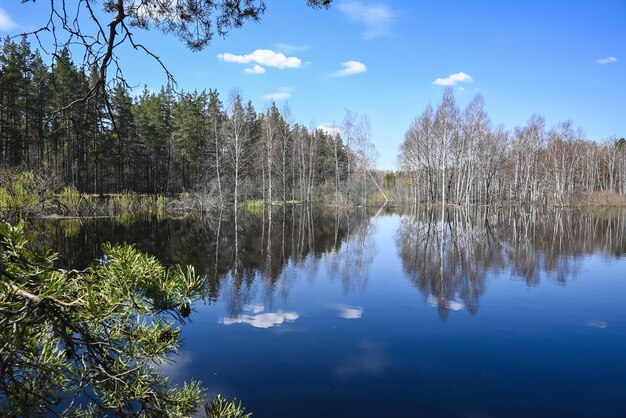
[
  {"x": 597, "y": 324},
  {"x": 349, "y": 312},
  {"x": 254, "y": 316},
  {"x": 451, "y": 305},
  {"x": 177, "y": 367},
  {"x": 369, "y": 359}
]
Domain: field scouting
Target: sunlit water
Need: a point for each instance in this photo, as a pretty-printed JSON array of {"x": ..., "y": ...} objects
[{"x": 323, "y": 314}]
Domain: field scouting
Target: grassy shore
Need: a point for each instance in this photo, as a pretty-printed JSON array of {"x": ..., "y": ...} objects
[{"x": 26, "y": 194}]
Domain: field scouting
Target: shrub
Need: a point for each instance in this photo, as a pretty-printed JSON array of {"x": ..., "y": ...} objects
[
  {"x": 19, "y": 190},
  {"x": 69, "y": 197}
]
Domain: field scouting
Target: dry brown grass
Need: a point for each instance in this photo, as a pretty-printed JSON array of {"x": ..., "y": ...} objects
[{"x": 606, "y": 199}]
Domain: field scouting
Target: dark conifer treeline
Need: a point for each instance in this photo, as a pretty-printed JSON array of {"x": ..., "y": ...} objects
[{"x": 165, "y": 142}]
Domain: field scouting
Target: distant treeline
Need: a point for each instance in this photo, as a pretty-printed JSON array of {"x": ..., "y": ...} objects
[
  {"x": 460, "y": 157},
  {"x": 171, "y": 142},
  {"x": 167, "y": 142}
]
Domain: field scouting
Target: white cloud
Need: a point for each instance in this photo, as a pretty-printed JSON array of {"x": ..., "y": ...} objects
[
  {"x": 255, "y": 69},
  {"x": 376, "y": 17},
  {"x": 6, "y": 23},
  {"x": 606, "y": 60},
  {"x": 349, "y": 312},
  {"x": 290, "y": 49},
  {"x": 257, "y": 319},
  {"x": 265, "y": 57},
  {"x": 453, "y": 79},
  {"x": 330, "y": 130},
  {"x": 350, "y": 68},
  {"x": 283, "y": 93},
  {"x": 460, "y": 89}
]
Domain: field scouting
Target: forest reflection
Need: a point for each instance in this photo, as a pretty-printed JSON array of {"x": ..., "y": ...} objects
[
  {"x": 450, "y": 262},
  {"x": 268, "y": 251},
  {"x": 271, "y": 250}
]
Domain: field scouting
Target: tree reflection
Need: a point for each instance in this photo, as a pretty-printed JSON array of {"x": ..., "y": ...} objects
[
  {"x": 264, "y": 252},
  {"x": 350, "y": 263},
  {"x": 450, "y": 261},
  {"x": 261, "y": 260}
]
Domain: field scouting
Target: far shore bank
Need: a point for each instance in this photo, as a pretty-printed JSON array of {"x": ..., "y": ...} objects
[{"x": 73, "y": 205}]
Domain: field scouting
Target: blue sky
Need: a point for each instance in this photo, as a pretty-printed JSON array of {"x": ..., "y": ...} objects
[{"x": 390, "y": 58}]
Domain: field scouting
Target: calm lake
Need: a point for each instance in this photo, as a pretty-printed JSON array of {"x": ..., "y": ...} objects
[{"x": 316, "y": 313}]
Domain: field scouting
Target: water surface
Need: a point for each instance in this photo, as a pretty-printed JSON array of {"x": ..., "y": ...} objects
[{"x": 316, "y": 313}]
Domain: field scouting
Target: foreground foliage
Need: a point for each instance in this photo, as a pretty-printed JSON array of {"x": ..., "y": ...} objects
[
  {"x": 222, "y": 408},
  {"x": 89, "y": 343}
]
